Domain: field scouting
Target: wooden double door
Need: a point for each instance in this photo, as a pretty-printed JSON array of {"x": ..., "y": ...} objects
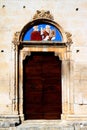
[{"x": 42, "y": 86}]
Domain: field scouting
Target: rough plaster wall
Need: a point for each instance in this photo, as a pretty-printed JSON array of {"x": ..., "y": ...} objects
[{"x": 71, "y": 15}]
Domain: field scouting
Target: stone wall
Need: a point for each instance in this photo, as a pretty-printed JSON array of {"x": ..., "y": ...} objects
[{"x": 72, "y": 16}]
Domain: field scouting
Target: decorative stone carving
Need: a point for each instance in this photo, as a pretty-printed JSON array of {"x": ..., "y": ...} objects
[
  {"x": 16, "y": 38},
  {"x": 62, "y": 56},
  {"x": 26, "y": 53},
  {"x": 16, "y": 41},
  {"x": 43, "y": 14},
  {"x": 69, "y": 39}
]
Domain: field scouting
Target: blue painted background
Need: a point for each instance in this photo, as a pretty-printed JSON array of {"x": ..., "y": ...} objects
[{"x": 58, "y": 36}]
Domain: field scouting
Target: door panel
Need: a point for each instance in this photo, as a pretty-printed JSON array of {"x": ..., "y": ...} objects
[{"x": 42, "y": 86}]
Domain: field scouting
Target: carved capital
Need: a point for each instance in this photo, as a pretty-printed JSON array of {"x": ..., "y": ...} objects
[{"x": 43, "y": 14}]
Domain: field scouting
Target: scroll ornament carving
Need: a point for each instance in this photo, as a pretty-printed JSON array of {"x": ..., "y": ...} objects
[
  {"x": 16, "y": 38},
  {"x": 43, "y": 14},
  {"x": 69, "y": 39}
]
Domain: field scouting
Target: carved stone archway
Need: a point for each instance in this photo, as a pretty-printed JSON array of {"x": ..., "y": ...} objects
[{"x": 23, "y": 49}]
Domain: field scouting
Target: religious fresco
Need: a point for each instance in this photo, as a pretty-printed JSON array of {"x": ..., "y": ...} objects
[{"x": 43, "y": 32}]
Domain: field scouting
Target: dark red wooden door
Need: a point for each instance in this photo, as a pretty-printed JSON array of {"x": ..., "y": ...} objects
[{"x": 42, "y": 86}]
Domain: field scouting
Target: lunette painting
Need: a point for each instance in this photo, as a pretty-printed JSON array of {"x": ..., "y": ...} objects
[{"x": 42, "y": 32}]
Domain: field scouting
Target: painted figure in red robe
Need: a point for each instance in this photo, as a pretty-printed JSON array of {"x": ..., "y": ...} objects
[{"x": 36, "y": 35}]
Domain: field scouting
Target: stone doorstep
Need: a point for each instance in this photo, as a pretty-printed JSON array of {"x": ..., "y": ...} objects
[
  {"x": 10, "y": 128},
  {"x": 52, "y": 125},
  {"x": 46, "y": 128},
  {"x": 49, "y": 125},
  {"x": 43, "y": 124}
]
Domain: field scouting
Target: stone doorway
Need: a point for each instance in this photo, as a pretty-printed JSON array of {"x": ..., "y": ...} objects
[
  {"x": 57, "y": 49},
  {"x": 42, "y": 86}
]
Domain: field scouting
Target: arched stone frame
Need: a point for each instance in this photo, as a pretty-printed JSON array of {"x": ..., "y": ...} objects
[{"x": 61, "y": 49}]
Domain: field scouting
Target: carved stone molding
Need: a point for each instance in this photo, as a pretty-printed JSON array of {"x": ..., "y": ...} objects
[
  {"x": 62, "y": 56},
  {"x": 26, "y": 53},
  {"x": 43, "y": 14}
]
